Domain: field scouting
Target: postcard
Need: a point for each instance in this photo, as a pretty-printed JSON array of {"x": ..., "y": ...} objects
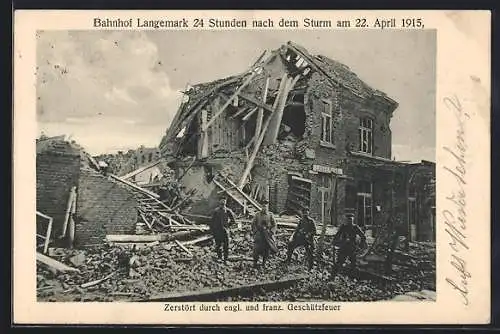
[{"x": 251, "y": 167}]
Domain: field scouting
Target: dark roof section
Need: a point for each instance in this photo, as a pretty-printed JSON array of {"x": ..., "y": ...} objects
[{"x": 341, "y": 74}]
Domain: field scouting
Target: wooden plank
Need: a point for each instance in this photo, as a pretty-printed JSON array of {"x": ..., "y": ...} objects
[
  {"x": 43, "y": 215},
  {"x": 197, "y": 240},
  {"x": 239, "y": 112},
  {"x": 161, "y": 237},
  {"x": 142, "y": 190},
  {"x": 215, "y": 293},
  {"x": 228, "y": 102},
  {"x": 256, "y": 102},
  {"x": 54, "y": 263},
  {"x": 260, "y": 116},
  {"x": 247, "y": 116},
  {"x": 146, "y": 221},
  {"x": 68, "y": 210},
  {"x": 190, "y": 227},
  {"x": 227, "y": 192},
  {"x": 272, "y": 134},
  {"x": 248, "y": 198},
  {"x": 258, "y": 143},
  {"x": 97, "y": 282},
  {"x": 47, "y": 239},
  {"x": 183, "y": 247},
  {"x": 140, "y": 170}
]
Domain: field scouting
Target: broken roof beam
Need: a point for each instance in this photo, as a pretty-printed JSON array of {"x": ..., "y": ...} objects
[
  {"x": 239, "y": 112},
  {"x": 248, "y": 198},
  {"x": 140, "y": 170},
  {"x": 228, "y": 102},
  {"x": 260, "y": 115},
  {"x": 272, "y": 133},
  {"x": 256, "y": 69},
  {"x": 135, "y": 187},
  {"x": 247, "y": 116},
  {"x": 256, "y": 102},
  {"x": 258, "y": 143}
]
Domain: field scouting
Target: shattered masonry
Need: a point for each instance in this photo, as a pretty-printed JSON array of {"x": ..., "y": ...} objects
[
  {"x": 302, "y": 131},
  {"x": 297, "y": 129}
]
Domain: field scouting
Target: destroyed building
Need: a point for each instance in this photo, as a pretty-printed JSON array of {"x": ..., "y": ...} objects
[
  {"x": 302, "y": 131},
  {"x": 84, "y": 204}
]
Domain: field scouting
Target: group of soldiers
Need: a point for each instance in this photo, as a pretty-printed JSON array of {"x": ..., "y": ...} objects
[{"x": 264, "y": 229}]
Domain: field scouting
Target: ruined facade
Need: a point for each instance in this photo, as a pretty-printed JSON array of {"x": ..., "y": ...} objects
[
  {"x": 299, "y": 130},
  {"x": 102, "y": 205}
]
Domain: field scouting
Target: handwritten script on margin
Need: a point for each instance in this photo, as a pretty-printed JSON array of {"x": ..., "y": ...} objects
[{"x": 455, "y": 216}]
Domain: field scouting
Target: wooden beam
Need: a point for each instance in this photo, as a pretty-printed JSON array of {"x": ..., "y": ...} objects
[
  {"x": 146, "y": 221},
  {"x": 140, "y": 170},
  {"x": 68, "y": 210},
  {"x": 161, "y": 237},
  {"x": 232, "y": 196},
  {"x": 215, "y": 293},
  {"x": 256, "y": 102},
  {"x": 247, "y": 116},
  {"x": 272, "y": 134},
  {"x": 142, "y": 190},
  {"x": 258, "y": 143},
  {"x": 190, "y": 227},
  {"x": 54, "y": 263},
  {"x": 239, "y": 112},
  {"x": 183, "y": 247},
  {"x": 197, "y": 240},
  {"x": 96, "y": 282},
  {"x": 260, "y": 116},
  {"x": 47, "y": 239},
  {"x": 248, "y": 198},
  {"x": 228, "y": 102}
]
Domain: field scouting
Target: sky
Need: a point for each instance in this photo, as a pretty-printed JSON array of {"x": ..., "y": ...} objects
[{"x": 117, "y": 90}]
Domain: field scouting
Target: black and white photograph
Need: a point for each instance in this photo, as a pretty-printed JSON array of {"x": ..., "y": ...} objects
[{"x": 270, "y": 166}]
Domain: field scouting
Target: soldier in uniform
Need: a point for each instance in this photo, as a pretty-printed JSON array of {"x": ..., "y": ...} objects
[
  {"x": 263, "y": 229},
  {"x": 346, "y": 239},
  {"x": 221, "y": 219},
  {"x": 303, "y": 236}
]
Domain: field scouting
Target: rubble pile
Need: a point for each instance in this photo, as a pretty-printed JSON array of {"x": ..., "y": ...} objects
[{"x": 164, "y": 268}]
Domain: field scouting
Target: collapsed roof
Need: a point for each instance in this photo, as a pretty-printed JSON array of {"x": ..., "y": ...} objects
[{"x": 298, "y": 61}]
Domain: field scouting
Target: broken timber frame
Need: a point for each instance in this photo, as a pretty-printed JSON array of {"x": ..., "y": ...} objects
[
  {"x": 260, "y": 116},
  {"x": 140, "y": 170},
  {"x": 253, "y": 72},
  {"x": 49, "y": 231},
  {"x": 130, "y": 184},
  {"x": 228, "y": 102},
  {"x": 286, "y": 85}
]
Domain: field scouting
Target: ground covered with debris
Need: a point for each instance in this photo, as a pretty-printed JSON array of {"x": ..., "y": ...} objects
[{"x": 165, "y": 269}]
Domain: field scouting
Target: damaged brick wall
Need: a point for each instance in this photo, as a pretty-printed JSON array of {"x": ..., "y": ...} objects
[
  {"x": 353, "y": 109},
  {"x": 56, "y": 174},
  {"x": 103, "y": 207}
]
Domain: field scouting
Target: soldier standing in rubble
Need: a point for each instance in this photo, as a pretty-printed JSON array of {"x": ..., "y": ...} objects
[
  {"x": 263, "y": 229},
  {"x": 303, "y": 236},
  {"x": 346, "y": 239},
  {"x": 221, "y": 218}
]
